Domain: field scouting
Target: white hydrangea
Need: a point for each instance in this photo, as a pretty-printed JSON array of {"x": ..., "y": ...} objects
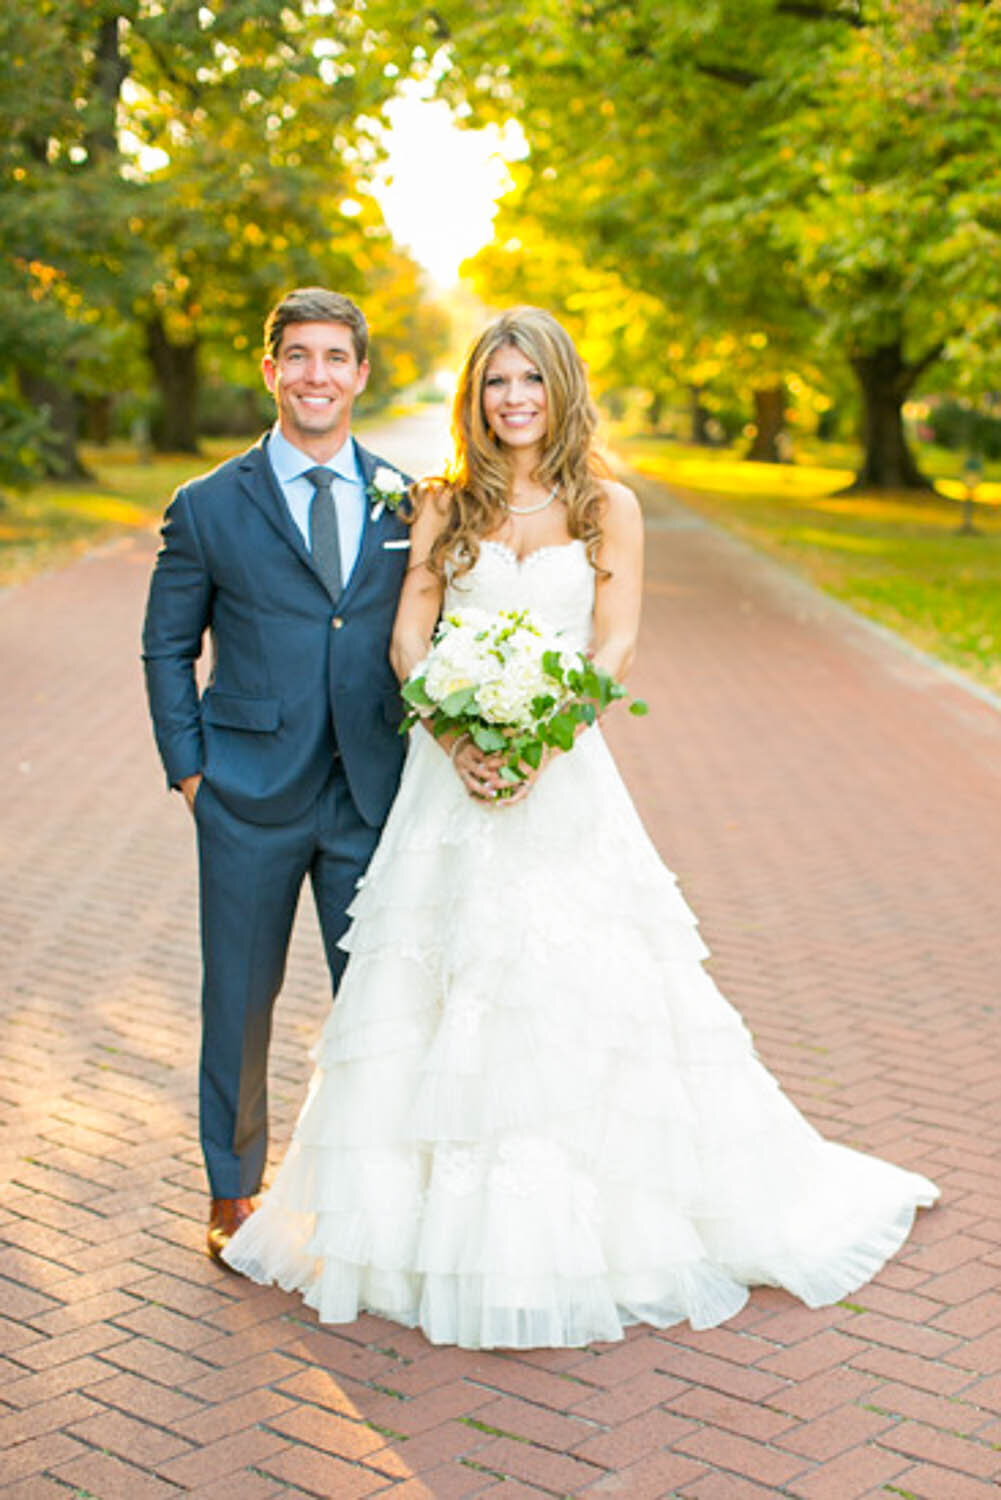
[
  {"x": 501, "y": 656},
  {"x": 506, "y": 696},
  {"x": 493, "y": 665},
  {"x": 459, "y": 658}
]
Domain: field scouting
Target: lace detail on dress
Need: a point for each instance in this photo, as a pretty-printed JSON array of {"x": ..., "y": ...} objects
[{"x": 459, "y": 1169}]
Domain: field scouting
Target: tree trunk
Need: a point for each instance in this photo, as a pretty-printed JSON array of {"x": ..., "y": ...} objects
[
  {"x": 655, "y": 410},
  {"x": 175, "y": 368},
  {"x": 769, "y": 424},
  {"x": 110, "y": 69},
  {"x": 700, "y": 417},
  {"x": 885, "y": 380},
  {"x": 97, "y": 419},
  {"x": 60, "y": 405}
]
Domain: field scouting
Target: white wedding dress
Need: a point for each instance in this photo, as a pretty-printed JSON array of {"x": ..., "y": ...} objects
[{"x": 534, "y": 1118}]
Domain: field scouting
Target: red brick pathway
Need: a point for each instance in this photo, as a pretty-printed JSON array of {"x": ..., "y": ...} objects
[{"x": 833, "y": 807}]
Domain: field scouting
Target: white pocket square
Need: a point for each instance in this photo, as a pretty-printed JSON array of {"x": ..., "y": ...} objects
[{"x": 399, "y": 545}]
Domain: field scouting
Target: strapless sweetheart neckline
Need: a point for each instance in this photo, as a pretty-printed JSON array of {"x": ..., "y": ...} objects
[{"x": 522, "y": 558}]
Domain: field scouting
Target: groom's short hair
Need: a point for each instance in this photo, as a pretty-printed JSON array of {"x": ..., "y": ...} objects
[{"x": 314, "y": 304}]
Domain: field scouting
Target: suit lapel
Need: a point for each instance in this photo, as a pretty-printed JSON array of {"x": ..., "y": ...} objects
[
  {"x": 369, "y": 547},
  {"x": 260, "y": 485},
  {"x": 257, "y": 479}
]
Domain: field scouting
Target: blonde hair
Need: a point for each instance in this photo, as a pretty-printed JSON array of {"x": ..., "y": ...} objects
[{"x": 476, "y": 488}]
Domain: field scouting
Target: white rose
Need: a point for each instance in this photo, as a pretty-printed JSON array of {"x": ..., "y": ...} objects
[{"x": 388, "y": 481}]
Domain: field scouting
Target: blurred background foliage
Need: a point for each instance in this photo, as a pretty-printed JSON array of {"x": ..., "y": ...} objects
[
  {"x": 169, "y": 170},
  {"x": 768, "y": 198},
  {"x": 765, "y": 221}
]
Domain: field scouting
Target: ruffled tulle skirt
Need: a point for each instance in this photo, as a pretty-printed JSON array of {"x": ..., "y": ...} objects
[{"x": 534, "y": 1118}]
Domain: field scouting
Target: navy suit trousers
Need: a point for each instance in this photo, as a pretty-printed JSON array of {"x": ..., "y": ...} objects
[{"x": 251, "y": 876}]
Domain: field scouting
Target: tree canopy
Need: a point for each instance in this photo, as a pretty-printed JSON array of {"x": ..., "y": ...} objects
[
  {"x": 816, "y": 181},
  {"x": 170, "y": 169},
  {"x": 729, "y": 196}
]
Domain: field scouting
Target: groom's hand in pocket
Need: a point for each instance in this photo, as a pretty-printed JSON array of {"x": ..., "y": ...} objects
[{"x": 189, "y": 786}]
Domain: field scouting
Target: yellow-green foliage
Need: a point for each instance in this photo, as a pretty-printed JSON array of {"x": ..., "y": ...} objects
[
  {"x": 898, "y": 559},
  {"x": 51, "y": 522}
]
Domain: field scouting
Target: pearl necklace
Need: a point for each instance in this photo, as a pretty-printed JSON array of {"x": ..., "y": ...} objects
[{"x": 531, "y": 510}]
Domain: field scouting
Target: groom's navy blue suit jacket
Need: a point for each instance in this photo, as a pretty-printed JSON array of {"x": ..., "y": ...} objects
[{"x": 296, "y": 678}]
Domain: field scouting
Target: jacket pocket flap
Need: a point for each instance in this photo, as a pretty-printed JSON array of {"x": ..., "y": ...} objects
[{"x": 230, "y": 711}]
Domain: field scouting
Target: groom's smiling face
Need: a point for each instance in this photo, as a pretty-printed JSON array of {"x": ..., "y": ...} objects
[{"x": 314, "y": 378}]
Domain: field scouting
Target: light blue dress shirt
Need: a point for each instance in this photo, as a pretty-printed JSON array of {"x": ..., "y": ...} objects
[{"x": 290, "y": 464}]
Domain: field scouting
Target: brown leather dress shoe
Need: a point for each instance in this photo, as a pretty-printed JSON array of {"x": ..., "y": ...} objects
[{"x": 225, "y": 1218}]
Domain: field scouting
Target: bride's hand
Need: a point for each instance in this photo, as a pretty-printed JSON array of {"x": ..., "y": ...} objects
[
  {"x": 518, "y": 791},
  {"x": 476, "y": 771}
]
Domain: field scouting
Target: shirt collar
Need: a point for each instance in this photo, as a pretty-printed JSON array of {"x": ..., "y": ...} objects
[{"x": 289, "y": 462}]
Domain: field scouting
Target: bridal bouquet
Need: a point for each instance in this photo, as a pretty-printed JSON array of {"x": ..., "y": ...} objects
[{"x": 509, "y": 682}]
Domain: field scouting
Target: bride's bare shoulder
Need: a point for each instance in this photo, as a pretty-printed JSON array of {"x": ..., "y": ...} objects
[
  {"x": 621, "y": 510},
  {"x": 432, "y": 494},
  {"x": 431, "y": 503}
]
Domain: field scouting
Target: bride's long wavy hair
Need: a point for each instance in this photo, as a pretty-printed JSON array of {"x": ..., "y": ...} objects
[{"x": 477, "y": 484}]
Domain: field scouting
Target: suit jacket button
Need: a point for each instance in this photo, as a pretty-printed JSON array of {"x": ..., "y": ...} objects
[{"x": 336, "y": 623}]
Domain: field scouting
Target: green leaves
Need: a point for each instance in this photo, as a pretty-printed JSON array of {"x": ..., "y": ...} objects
[
  {"x": 170, "y": 169},
  {"x": 488, "y": 737},
  {"x": 415, "y": 693},
  {"x": 456, "y": 704},
  {"x": 581, "y": 692},
  {"x": 765, "y": 189},
  {"x": 561, "y": 729}
]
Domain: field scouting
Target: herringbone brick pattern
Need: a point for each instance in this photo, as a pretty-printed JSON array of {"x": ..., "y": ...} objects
[{"x": 833, "y": 807}]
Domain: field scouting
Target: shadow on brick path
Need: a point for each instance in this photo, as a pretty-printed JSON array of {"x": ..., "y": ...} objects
[{"x": 833, "y": 807}]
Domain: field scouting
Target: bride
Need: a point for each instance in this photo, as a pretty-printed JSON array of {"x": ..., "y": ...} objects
[{"x": 534, "y": 1119}]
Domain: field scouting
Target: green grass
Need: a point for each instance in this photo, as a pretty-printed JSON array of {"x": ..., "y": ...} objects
[
  {"x": 899, "y": 559},
  {"x": 52, "y": 522}
]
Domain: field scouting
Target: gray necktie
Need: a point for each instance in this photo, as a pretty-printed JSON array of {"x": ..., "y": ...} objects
[{"x": 324, "y": 537}]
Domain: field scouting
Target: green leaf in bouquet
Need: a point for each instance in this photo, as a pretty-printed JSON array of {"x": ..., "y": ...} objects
[
  {"x": 587, "y": 682},
  {"x": 553, "y": 666},
  {"x": 542, "y": 705},
  {"x": 488, "y": 737},
  {"x": 561, "y": 730},
  {"x": 442, "y": 724},
  {"x": 516, "y": 747},
  {"x": 414, "y": 691},
  {"x": 532, "y": 754},
  {"x": 457, "y": 702},
  {"x": 510, "y": 775},
  {"x": 606, "y": 689},
  {"x": 638, "y": 707}
]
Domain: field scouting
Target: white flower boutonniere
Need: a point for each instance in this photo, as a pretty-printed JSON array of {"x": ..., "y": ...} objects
[{"x": 388, "y": 489}]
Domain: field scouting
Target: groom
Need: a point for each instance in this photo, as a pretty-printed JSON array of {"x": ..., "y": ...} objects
[{"x": 292, "y": 560}]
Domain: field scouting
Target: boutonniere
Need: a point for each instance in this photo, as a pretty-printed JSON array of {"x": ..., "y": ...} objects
[{"x": 387, "y": 490}]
